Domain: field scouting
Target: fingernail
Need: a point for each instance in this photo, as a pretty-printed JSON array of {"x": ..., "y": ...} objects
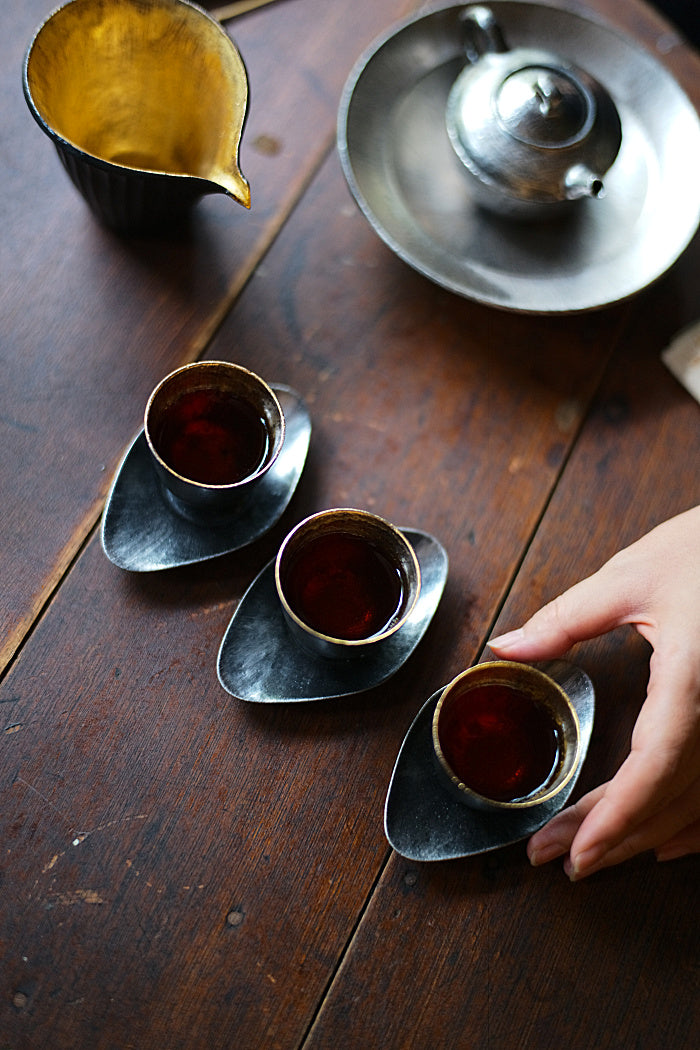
[
  {"x": 508, "y": 640},
  {"x": 585, "y": 863},
  {"x": 572, "y": 872},
  {"x": 544, "y": 854}
]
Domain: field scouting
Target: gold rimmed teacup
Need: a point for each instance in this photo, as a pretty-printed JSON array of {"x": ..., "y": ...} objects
[
  {"x": 347, "y": 581},
  {"x": 213, "y": 429},
  {"x": 506, "y": 736}
]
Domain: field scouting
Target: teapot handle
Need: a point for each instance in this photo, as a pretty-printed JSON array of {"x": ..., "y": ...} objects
[{"x": 482, "y": 32}]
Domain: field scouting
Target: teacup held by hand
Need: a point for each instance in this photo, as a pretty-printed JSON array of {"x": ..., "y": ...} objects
[{"x": 506, "y": 736}]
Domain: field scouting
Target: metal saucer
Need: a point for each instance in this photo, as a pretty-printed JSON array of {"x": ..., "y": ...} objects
[
  {"x": 260, "y": 662},
  {"x": 424, "y": 821},
  {"x": 401, "y": 169},
  {"x": 141, "y": 533}
]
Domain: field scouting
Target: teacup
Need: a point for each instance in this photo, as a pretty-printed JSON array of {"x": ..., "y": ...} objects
[
  {"x": 347, "y": 580},
  {"x": 506, "y": 736},
  {"x": 213, "y": 429},
  {"x": 145, "y": 104}
]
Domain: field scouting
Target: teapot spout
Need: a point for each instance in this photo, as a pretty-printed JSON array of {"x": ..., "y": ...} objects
[{"x": 580, "y": 182}]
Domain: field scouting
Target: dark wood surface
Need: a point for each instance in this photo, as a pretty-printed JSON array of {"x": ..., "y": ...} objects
[{"x": 184, "y": 870}]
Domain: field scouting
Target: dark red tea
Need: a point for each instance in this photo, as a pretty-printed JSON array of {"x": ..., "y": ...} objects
[
  {"x": 499, "y": 742},
  {"x": 212, "y": 437},
  {"x": 341, "y": 585}
]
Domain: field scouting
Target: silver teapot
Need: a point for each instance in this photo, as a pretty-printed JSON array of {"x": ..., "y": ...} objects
[{"x": 533, "y": 131}]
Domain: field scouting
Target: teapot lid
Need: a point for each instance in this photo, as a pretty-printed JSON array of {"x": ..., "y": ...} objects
[{"x": 544, "y": 106}]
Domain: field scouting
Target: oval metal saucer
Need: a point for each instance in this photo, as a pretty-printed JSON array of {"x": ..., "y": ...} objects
[
  {"x": 141, "y": 533},
  {"x": 260, "y": 662},
  {"x": 424, "y": 821},
  {"x": 401, "y": 169}
]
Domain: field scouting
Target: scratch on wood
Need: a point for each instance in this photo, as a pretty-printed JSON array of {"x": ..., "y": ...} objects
[
  {"x": 49, "y": 866},
  {"x": 78, "y": 897},
  {"x": 21, "y": 780},
  {"x": 82, "y": 835}
]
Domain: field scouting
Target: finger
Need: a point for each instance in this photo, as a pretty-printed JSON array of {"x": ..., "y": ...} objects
[
  {"x": 555, "y": 838},
  {"x": 628, "y": 798},
  {"x": 684, "y": 843},
  {"x": 677, "y": 826},
  {"x": 663, "y": 763},
  {"x": 586, "y": 610}
]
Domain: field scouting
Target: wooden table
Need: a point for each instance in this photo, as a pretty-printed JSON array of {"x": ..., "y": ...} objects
[{"x": 184, "y": 870}]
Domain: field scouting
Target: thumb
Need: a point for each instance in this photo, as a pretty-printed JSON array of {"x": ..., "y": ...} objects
[{"x": 586, "y": 610}]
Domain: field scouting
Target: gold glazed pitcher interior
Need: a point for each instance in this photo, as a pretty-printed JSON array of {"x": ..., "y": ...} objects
[{"x": 145, "y": 101}]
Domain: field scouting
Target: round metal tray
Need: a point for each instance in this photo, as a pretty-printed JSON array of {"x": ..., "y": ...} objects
[{"x": 403, "y": 173}]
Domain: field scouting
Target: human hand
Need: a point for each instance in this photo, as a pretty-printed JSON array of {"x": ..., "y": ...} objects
[{"x": 653, "y": 801}]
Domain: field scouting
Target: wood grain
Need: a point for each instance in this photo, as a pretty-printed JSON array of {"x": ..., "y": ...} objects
[
  {"x": 92, "y": 322},
  {"x": 436, "y": 413},
  {"x": 185, "y": 870},
  {"x": 512, "y": 956},
  {"x": 240, "y": 7}
]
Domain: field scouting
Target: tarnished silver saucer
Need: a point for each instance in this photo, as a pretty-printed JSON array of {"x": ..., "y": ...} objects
[
  {"x": 424, "y": 821},
  {"x": 407, "y": 180},
  {"x": 259, "y": 661},
  {"x": 141, "y": 532}
]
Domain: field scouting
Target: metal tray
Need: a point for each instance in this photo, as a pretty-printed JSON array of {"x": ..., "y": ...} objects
[{"x": 403, "y": 173}]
